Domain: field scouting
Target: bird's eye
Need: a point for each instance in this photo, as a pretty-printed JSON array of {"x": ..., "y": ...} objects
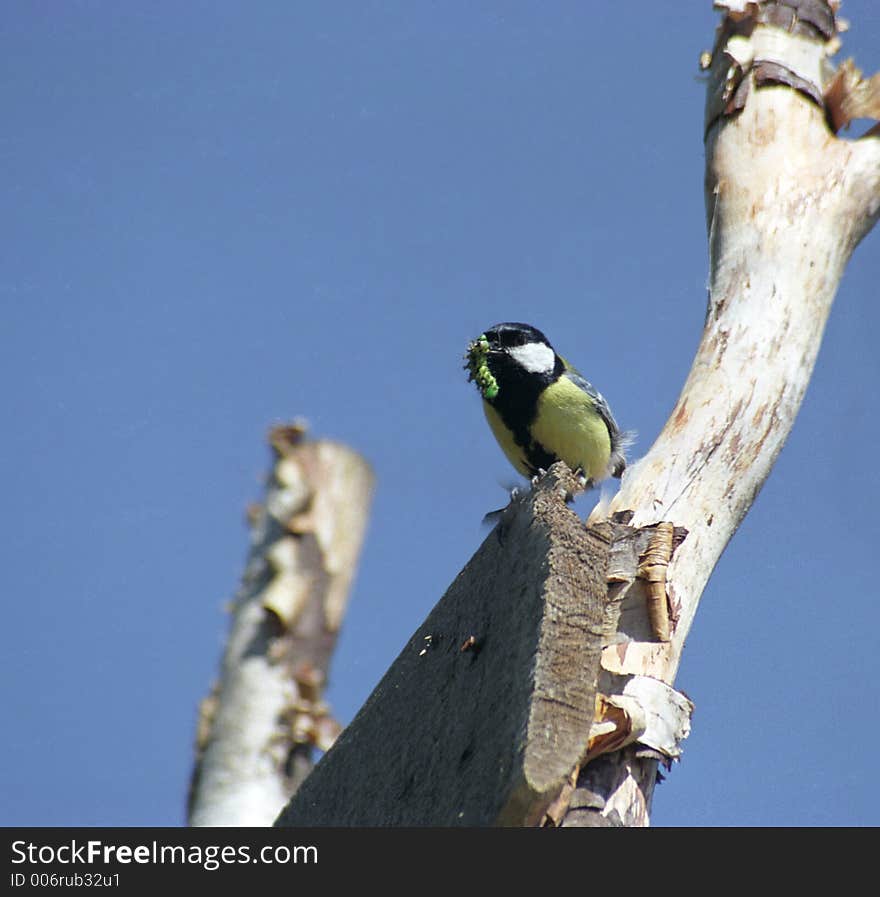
[{"x": 509, "y": 339}]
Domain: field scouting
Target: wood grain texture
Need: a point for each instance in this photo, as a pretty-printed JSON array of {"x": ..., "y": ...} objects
[{"x": 485, "y": 713}]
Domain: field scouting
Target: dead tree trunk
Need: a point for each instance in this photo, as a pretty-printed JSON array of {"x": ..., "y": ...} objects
[
  {"x": 539, "y": 690},
  {"x": 787, "y": 202},
  {"x": 259, "y": 726}
]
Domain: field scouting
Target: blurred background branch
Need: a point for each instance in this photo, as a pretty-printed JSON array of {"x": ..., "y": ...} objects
[{"x": 265, "y": 717}]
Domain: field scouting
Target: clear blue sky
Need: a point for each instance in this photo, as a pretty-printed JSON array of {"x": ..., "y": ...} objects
[{"x": 219, "y": 215}]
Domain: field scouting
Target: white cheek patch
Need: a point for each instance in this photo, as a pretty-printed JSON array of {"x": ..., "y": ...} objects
[{"x": 537, "y": 358}]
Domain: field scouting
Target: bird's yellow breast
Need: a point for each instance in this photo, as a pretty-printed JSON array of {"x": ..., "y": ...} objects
[
  {"x": 505, "y": 439},
  {"x": 568, "y": 425}
]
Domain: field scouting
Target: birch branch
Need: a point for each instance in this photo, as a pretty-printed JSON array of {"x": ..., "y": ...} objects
[
  {"x": 787, "y": 202},
  {"x": 258, "y": 728}
]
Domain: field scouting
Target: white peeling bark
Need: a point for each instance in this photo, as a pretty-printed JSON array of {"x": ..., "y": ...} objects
[
  {"x": 265, "y": 715},
  {"x": 787, "y": 202}
]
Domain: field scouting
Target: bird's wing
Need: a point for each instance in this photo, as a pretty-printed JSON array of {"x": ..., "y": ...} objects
[{"x": 596, "y": 396}]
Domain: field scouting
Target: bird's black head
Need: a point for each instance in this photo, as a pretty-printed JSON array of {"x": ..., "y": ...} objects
[
  {"x": 512, "y": 334},
  {"x": 512, "y": 362}
]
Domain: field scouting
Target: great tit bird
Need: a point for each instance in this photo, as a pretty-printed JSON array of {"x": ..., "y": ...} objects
[{"x": 540, "y": 408}]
